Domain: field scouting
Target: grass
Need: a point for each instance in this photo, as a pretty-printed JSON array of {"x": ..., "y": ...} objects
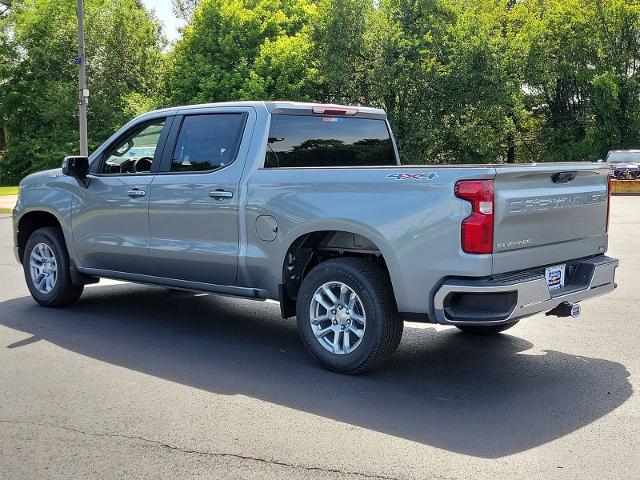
[
  {"x": 5, "y": 210},
  {"x": 8, "y": 190}
]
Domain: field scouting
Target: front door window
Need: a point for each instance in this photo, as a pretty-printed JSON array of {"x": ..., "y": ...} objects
[{"x": 136, "y": 153}]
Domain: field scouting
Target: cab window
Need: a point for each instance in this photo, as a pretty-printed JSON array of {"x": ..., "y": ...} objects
[
  {"x": 328, "y": 141},
  {"x": 136, "y": 153},
  {"x": 207, "y": 142}
]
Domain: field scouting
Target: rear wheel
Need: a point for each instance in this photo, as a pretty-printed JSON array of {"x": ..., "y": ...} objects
[
  {"x": 485, "y": 329},
  {"x": 47, "y": 269},
  {"x": 347, "y": 316}
]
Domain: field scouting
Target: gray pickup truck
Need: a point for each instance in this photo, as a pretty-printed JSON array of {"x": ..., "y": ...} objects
[{"x": 309, "y": 205}]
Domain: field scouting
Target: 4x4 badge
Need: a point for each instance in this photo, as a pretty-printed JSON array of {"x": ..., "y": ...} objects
[{"x": 413, "y": 176}]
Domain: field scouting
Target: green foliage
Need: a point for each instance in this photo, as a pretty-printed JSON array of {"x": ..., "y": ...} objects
[
  {"x": 461, "y": 80},
  {"x": 184, "y": 8},
  {"x": 490, "y": 80},
  {"x": 239, "y": 49},
  {"x": 446, "y": 72},
  {"x": 283, "y": 69},
  {"x": 38, "y": 105},
  {"x": 344, "y": 46},
  {"x": 582, "y": 66}
]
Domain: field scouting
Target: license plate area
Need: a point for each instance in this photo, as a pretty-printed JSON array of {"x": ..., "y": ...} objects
[{"x": 555, "y": 276}]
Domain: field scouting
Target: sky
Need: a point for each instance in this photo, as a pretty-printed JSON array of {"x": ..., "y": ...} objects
[{"x": 166, "y": 16}]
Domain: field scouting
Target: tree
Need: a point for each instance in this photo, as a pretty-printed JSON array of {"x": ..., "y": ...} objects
[
  {"x": 184, "y": 9},
  {"x": 481, "y": 84},
  {"x": 445, "y": 71},
  {"x": 5, "y": 57},
  {"x": 5, "y": 5},
  {"x": 582, "y": 73},
  {"x": 345, "y": 49},
  {"x": 461, "y": 80},
  {"x": 615, "y": 84},
  {"x": 238, "y": 49},
  {"x": 39, "y": 101},
  {"x": 283, "y": 69}
]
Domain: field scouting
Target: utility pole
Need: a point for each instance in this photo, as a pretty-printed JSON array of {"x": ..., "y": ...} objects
[{"x": 82, "y": 81}]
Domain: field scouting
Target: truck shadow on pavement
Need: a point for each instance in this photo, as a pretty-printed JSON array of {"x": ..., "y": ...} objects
[{"x": 477, "y": 396}]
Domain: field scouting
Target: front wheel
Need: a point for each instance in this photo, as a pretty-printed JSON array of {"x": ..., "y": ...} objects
[
  {"x": 486, "y": 329},
  {"x": 347, "y": 316},
  {"x": 47, "y": 269}
]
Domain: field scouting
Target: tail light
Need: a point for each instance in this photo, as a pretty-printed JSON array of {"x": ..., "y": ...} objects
[
  {"x": 606, "y": 228},
  {"x": 477, "y": 228}
]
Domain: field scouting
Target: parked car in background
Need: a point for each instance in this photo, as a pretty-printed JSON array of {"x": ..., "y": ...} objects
[
  {"x": 624, "y": 164},
  {"x": 309, "y": 205}
]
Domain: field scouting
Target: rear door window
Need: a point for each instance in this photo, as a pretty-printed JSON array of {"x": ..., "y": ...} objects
[
  {"x": 328, "y": 141},
  {"x": 207, "y": 142}
]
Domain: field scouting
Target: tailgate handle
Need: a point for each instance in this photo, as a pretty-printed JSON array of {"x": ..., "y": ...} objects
[{"x": 563, "y": 177}]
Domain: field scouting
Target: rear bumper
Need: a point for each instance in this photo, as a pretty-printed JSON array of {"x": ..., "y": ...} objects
[{"x": 506, "y": 298}]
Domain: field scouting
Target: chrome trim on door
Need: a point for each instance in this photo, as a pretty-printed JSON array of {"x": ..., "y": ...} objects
[
  {"x": 135, "y": 192},
  {"x": 220, "y": 194}
]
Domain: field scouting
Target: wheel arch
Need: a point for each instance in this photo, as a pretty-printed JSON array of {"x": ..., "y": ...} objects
[
  {"x": 31, "y": 221},
  {"x": 316, "y": 243}
]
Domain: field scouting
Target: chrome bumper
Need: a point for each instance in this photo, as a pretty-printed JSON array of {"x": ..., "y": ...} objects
[{"x": 592, "y": 277}]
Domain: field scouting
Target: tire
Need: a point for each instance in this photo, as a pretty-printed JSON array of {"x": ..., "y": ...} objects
[
  {"x": 480, "y": 330},
  {"x": 62, "y": 292},
  {"x": 371, "y": 343}
]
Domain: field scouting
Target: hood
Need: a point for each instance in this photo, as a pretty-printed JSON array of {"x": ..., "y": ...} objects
[{"x": 41, "y": 177}]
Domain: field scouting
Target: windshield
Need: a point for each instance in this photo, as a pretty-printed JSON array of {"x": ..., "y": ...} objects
[{"x": 623, "y": 157}]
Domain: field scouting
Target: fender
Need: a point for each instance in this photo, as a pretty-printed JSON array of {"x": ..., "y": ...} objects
[{"x": 357, "y": 228}]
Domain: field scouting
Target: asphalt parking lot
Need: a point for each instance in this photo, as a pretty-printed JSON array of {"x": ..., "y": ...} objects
[{"x": 136, "y": 381}]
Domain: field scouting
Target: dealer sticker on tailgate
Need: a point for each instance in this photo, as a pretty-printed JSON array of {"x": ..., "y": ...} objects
[{"x": 555, "y": 276}]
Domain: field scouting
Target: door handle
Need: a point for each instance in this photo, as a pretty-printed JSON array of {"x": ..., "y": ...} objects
[
  {"x": 220, "y": 194},
  {"x": 136, "y": 192}
]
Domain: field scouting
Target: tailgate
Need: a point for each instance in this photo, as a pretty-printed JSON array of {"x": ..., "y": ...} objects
[{"x": 548, "y": 213}]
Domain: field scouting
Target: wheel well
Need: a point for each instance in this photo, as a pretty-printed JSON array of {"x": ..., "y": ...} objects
[
  {"x": 29, "y": 223},
  {"x": 313, "y": 248}
]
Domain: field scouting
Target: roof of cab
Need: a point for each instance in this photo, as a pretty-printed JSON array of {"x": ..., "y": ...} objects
[{"x": 282, "y": 106}]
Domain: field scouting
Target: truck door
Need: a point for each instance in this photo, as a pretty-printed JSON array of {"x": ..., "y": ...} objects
[
  {"x": 193, "y": 206},
  {"x": 110, "y": 216}
]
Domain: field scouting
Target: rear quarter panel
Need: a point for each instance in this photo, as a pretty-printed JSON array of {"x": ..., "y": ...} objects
[{"x": 414, "y": 223}]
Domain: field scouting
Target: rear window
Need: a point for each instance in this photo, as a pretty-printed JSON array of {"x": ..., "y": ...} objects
[
  {"x": 207, "y": 142},
  {"x": 325, "y": 141}
]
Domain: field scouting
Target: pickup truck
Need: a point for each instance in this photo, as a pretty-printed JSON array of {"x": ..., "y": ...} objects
[
  {"x": 309, "y": 205},
  {"x": 624, "y": 164}
]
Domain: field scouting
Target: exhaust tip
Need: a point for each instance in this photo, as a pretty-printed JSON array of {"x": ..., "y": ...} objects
[{"x": 566, "y": 309}]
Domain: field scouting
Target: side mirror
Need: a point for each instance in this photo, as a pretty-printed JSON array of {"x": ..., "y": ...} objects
[{"x": 76, "y": 167}]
